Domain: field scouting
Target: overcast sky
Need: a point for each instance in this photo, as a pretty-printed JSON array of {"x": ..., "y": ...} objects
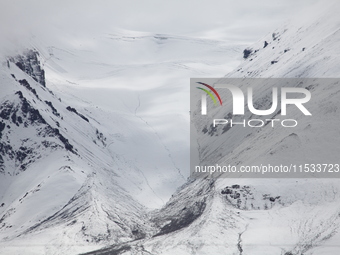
[{"x": 243, "y": 20}]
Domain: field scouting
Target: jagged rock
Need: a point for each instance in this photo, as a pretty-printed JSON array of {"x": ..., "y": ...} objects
[
  {"x": 29, "y": 63},
  {"x": 27, "y": 86},
  {"x": 71, "y": 109},
  {"x": 246, "y": 53},
  {"x": 54, "y": 110}
]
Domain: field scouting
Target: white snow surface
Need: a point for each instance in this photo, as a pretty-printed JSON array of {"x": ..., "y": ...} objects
[
  {"x": 67, "y": 203},
  {"x": 129, "y": 138},
  {"x": 272, "y": 216}
]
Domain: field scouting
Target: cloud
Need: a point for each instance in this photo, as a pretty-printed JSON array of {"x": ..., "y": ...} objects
[{"x": 21, "y": 18}]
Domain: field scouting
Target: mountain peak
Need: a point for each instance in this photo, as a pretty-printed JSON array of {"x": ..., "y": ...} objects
[{"x": 29, "y": 63}]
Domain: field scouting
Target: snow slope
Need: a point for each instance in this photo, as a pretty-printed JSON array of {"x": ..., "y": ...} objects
[
  {"x": 51, "y": 179},
  {"x": 85, "y": 153},
  {"x": 265, "y": 216},
  {"x": 135, "y": 83}
]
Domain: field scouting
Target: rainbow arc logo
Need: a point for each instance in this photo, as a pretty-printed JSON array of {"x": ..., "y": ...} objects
[{"x": 211, "y": 94}]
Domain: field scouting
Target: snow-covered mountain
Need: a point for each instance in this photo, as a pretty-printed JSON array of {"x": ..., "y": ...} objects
[
  {"x": 265, "y": 216},
  {"x": 56, "y": 171},
  {"x": 78, "y": 171},
  {"x": 94, "y": 133}
]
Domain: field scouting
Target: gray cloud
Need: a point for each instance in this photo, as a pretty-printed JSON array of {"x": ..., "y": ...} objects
[{"x": 245, "y": 19}]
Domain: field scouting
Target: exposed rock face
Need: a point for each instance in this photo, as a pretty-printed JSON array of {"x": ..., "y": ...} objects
[
  {"x": 19, "y": 114},
  {"x": 30, "y": 64}
]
